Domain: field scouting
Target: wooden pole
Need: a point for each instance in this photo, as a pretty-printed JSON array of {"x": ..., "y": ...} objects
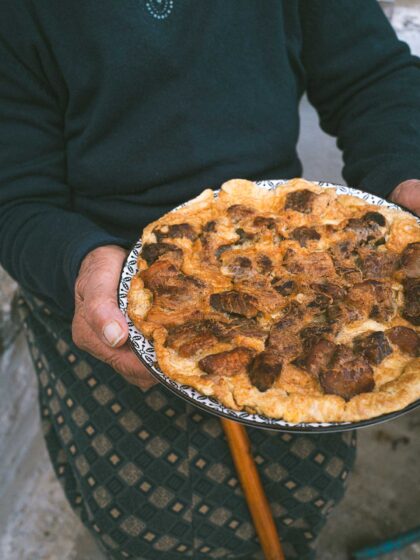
[{"x": 254, "y": 492}]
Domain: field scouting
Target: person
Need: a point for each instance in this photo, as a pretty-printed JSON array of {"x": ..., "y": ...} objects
[{"x": 111, "y": 114}]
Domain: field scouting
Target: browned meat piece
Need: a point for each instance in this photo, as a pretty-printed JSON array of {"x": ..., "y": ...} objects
[
  {"x": 304, "y": 234},
  {"x": 291, "y": 319},
  {"x": 333, "y": 291},
  {"x": 245, "y": 327},
  {"x": 343, "y": 250},
  {"x": 372, "y": 299},
  {"x": 365, "y": 230},
  {"x": 264, "y": 369},
  {"x": 243, "y": 236},
  {"x": 375, "y": 217},
  {"x": 347, "y": 375},
  {"x": 317, "y": 356},
  {"x": 317, "y": 265},
  {"x": 193, "y": 336},
  {"x": 301, "y": 201},
  {"x": 237, "y": 303},
  {"x": 342, "y": 313},
  {"x": 350, "y": 275},
  {"x": 264, "y": 222},
  {"x": 313, "y": 333},
  {"x": 165, "y": 279},
  {"x": 377, "y": 265},
  {"x": 264, "y": 264},
  {"x": 374, "y": 347},
  {"x": 384, "y": 306},
  {"x": 240, "y": 266},
  {"x": 152, "y": 251},
  {"x": 196, "y": 343},
  {"x": 209, "y": 227},
  {"x": 411, "y": 310},
  {"x": 175, "y": 230},
  {"x": 286, "y": 343},
  {"x": 320, "y": 302},
  {"x": 238, "y": 212},
  {"x": 407, "y": 340},
  {"x": 227, "y": 363},
  {"x": 222, "y": 248},
  {"x": 410, "y": 260},
  {"x": 284, "y": 287}
]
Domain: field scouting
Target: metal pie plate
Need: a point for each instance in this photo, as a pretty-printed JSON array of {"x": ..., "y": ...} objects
[{"x": 144, "y": 349}]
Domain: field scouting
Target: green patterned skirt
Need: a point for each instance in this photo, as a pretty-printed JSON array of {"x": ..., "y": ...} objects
[{"x": 151, "y": 476}]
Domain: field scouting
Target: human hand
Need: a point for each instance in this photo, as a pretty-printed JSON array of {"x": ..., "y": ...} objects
[
  {"x": 407, "y": 194},
  {"x": 98, "y": 326}
]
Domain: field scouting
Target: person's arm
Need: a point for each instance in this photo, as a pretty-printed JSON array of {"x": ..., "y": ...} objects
[
  {"x": 42, "y": 241},
  {"x": 365, "y": 85}
]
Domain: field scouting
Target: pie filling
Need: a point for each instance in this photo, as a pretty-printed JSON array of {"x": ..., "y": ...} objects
[{"x": 296, "y": 293}]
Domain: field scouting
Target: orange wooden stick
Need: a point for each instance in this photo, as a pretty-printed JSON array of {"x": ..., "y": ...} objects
[{"x": 254, "y": 492}]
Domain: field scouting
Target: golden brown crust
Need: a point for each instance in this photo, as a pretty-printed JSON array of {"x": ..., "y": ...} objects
[{"x": 234, "y": 268}]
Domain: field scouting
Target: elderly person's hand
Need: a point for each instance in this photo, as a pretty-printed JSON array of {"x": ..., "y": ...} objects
[
  {"x": 99, "y": 327},
  {"x": 408, "y": 194}
]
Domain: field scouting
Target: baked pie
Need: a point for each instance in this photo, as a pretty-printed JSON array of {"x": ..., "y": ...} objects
[{"x": 295, "y": 303}]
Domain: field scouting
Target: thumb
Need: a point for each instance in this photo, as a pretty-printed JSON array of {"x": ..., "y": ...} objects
[
  {"x": 101, "y": 309},
  {"x": 407, "y": 194}
]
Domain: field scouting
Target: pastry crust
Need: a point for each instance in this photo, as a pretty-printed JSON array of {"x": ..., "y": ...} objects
[{"x": 237, "y": 290}]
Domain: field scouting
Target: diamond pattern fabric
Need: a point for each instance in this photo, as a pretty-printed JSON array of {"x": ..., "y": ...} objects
[{"x": 152, "y": 477}]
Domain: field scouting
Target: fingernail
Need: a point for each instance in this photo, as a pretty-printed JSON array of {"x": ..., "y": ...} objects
[{"x": 113, "y": 333}]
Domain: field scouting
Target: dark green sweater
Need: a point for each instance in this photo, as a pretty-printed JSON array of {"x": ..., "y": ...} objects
[{"x": 113, "y": 112}]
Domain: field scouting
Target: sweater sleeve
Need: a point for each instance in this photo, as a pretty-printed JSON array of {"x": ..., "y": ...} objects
[
  {"x": 365, "y": 85},
  {"x": 42, "y": 241}
]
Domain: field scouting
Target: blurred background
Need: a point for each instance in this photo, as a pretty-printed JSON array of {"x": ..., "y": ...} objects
[{"x": 383, "y": 498}]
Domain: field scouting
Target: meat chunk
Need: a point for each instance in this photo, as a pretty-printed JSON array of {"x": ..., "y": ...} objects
[
  {"x": 234, "y": 302},
  {"x": 169, "y": 284},
  {"x": 410, "y": 260},
  {"x": 264, "y": 264},
  {"x": 333, "y": 291},
  {"x": 347, "y": 375},
  {"x": 407, "y": 340},
  {"x": 349, "y": 274},
  {"x": 244, "y": 236},
  {"x": 209, "y": 227},
  {"x": 341, "y": 313},
  {"x": 377, "y": 265},
  {"x": 175, "y": 230},
  {"x": 317, "y": 356},
  {"x": 411, "y": 310},
  {"x": 239, "y": 266},
  {"x": 384, "y": 307},
  {"x": 152, "y": 251},
  {"x": 304, "y": 234},
  {"x": 375, "y": 217},
  {"x": 365, "y": 230},
  {"x": 231, "y": 362},
  {"x": 300, "y": 201},
  {"x": 292, "y": 318},
  {"x": 193, "y": 336},
  {"x": 313, "y": 333},
  {"x": 264, "y": 222},
  {"x": 286, "y": 343},
  {"x": 318, "y": 264},
  {"x": 239, "y": 212},
  {"x": 373, "y": 346},
  {"x": 284, "y": 287},
  {"x": 320, "y": 302},
  {"x": 373, "y": 299},
  {"x": 245, "y": 327},
  {"x": 264, "y": 369}
]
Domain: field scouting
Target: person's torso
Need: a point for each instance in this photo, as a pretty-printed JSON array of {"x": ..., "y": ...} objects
[{"x": 165, "y": 98}]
